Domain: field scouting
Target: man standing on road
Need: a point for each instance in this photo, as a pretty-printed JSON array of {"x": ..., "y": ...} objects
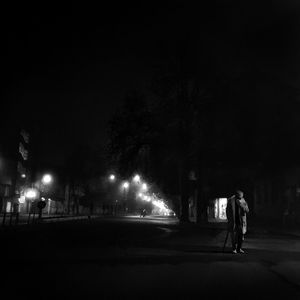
[{"x": 236, "y": 211}]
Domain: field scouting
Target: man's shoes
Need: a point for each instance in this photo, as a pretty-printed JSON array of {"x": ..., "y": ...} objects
[
  {"x": 234, "y": 251},
  {"x": 241, "y": 251}
]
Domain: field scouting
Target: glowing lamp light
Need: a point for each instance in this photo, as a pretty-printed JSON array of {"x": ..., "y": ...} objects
[
  {"x": 140, "y": 195},
  {"x": 160, "y": 205},
  {"x": 31, "y": 194},
  {"x": 125, "y": 185},
  {"x": 23, "y": 175},
  {"x": 144, "y": 187},
  {"x": 47, "y": 178},
  {"x": 137, "y": 178},
  {"x": 112, "y": 177},
  {"x": 22, "y": 199}
]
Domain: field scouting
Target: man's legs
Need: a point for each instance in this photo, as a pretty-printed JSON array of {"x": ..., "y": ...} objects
[
  {"x": 233, "y": 239},
  {"x": 239, "y": 239}
]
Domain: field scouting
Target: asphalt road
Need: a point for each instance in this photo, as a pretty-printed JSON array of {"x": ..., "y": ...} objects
[{"x": 138, "y": 258}]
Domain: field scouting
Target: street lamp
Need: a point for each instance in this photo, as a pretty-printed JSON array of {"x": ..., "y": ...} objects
[
  {"x": 31, "y": 194},
  {"x": 46, "y": 179},
  {"x": 112, "y": 177},
  {"x": 125, "y": 188},
  {"x": 137, "y": 178},
  {"x": 126, "y": 185},
  {"x": 49, "y": 206},
  {"x": 144, "y": 187},
  {"x": 22, "y": 199}
]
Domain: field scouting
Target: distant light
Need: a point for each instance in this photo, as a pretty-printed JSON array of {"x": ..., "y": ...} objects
[
  {"x": 49, "y": 199},
  {"x": 160, "y": 205},
  {"x": 144, "y": 187},
  {"x": 146, "y": 198},
  {"x": 47, "y": 178},
  {"x": 140, "y": 195},
  {"x": 126, "y": 185},
  {"x": 112, "y": 177},
  {"x": 137, "y": 178},
  {"x": 22, "y": 199},
  {"x": 31, "y": 193},
  {"x": 23, "y": 175},
  {"x": 43, "y": 198}
]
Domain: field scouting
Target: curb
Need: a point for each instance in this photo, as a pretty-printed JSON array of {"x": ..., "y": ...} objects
[{"x": 45, "y": 220}]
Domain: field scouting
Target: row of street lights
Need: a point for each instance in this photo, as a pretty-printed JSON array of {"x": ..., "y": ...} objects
[
  {"x": 125, "y": 185},
  {"x": 142, "y": 192},
  {"x": 136, "y": 179}
]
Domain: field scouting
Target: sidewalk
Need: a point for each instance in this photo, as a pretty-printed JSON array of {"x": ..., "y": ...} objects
[
  {"x": 24, "y": 219},
  {"x": 291, "y": 231},
  {"x": 255, "y": 227}
]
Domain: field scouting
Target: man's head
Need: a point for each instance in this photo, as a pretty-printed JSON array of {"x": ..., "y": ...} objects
[{"x": 239, "y": 194}]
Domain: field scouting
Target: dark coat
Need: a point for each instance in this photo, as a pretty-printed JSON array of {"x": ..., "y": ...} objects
[{"x": 232, "y": 214}]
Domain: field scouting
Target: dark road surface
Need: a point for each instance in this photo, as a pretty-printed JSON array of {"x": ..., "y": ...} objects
[{"x": 138, "y": 258}]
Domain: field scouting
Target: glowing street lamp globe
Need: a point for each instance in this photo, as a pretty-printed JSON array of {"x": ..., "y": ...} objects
[
  {"x": 144, "y": 187},
  {"x": 146, "y": 198},
  {"x": 112, "y": 177},
  {"x": 125, "y": 185},
  {"x": 47, "y": 178},
  {"x": 137, "y": 178},
  {"x": 31, "y": 194},
  {"x": 22, "y": 199}
]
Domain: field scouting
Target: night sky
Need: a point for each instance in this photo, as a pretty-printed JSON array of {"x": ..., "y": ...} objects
[{"x": 67, "y": 67}]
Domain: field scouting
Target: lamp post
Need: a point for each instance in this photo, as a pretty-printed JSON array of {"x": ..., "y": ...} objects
[
  {"x": 125, "y": 190},
  {"x": 49, "y": 206},
  {"x": 111, "y": 192},
  {"x": 46, "y": 180},
  {"x": 112, "y": 178},
  {"x": 137, "y": 179},
  {"x": 144, "y": 187},
  {"x": 31, "y": 194}
]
